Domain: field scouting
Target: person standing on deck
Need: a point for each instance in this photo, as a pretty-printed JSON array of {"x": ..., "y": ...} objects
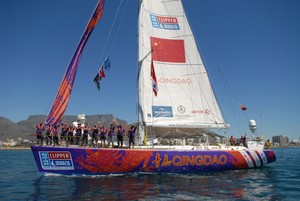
[
  {"x": 103, "y": 135},
  {"x": 120, "y": 134},
  {"x": 85, "y": 135},
  {"x": 267, "y": 144},
  {"x": 232, "y": 141},
  {"x": 111, "y": 132},
  {"x": 131, "y": 135},
  {"x": 39, "y": 133},
  {"x": 55, "y": 135},
  {"x": 95, "y": 133},
  {"x": 243, "y": 140},
  {"x": 64, "y": 131},
  {"x": 78, "y": 134},
  {"x": 70, "y": 136},
  {"x": 49, "y": 135}
]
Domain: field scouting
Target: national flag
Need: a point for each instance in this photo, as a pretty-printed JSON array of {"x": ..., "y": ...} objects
[
  {"x": 167, "y": 50},
  {"x": 101, "y": 73},
  {"x": 243, "y": 107},
  {"x": 97, "y": 81},
  {"x": 99, "y": 77},
  {"x": 154, "y": 81},
  {"x": 107, "y": 63}
]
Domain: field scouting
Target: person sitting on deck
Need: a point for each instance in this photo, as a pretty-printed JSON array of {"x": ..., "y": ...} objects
[{"x": 103, "y": 135}]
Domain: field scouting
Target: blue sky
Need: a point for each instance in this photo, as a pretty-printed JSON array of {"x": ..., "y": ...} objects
[{"x": 255, "y": 44}]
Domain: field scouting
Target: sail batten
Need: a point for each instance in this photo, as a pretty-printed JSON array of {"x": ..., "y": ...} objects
[
  {"x": 64, "y": 92},
  {"x": 185, "y": 97}
]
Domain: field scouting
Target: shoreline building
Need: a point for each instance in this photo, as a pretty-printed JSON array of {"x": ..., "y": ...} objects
[{"x": 281, "y": 140}]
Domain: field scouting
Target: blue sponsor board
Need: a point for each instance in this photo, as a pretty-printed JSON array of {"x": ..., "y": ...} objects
[
  {"x": 162, "y": 111},
  {"x": 56, "y": 160},
  {"x": 160, "y": 22}
]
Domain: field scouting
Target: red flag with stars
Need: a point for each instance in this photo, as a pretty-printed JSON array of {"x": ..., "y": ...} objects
[{"x": 167, "y": 50}]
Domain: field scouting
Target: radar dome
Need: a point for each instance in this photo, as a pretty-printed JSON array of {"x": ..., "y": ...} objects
[{"x": 252, "y": 125}]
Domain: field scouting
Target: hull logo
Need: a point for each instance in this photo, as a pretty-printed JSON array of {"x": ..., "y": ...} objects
[{"x": 56, "y": 160}]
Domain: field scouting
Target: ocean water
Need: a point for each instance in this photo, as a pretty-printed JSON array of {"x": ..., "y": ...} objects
[{"x": 20, "y": 180}]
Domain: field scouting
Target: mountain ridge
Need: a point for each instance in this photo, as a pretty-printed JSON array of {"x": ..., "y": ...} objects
[{"x": 25, "y": 128}]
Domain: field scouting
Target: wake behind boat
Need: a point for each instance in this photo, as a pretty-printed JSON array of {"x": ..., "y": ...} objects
[{"x": 173, "y": 92}]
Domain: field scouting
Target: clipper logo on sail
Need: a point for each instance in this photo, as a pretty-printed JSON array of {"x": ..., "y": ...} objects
[
  {"x": 162, "y": 111},
  {"x": 170, "y": 23}
]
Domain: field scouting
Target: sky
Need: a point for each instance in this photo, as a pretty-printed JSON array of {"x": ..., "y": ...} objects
[{"x": 251, "y": 50}]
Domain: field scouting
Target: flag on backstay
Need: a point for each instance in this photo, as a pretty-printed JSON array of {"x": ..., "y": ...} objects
[{"x": 101, "y": 73}]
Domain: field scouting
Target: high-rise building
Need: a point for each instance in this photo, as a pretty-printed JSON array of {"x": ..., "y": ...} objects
[{"x": 281, "y": 140}]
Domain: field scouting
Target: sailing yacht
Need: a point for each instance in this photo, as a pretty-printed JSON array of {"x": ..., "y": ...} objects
[{"x": 174, "y": 91}]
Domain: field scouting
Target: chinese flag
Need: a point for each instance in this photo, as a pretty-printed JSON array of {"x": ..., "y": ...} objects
[{"x": 167, "y": 50}]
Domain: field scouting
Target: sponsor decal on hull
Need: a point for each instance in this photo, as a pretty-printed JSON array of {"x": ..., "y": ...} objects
[{"x": 56, "y": 160}]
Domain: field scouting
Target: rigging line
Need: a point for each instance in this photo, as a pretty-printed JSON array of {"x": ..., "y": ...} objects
[
  {"x": 203, "y": 61},
  {"x": 101, "y": 56},
  {"x": 114, "y": 40},
  {"x": 111, "y": 28},
  {"x": 192, "y": 37},
  {"x": 226, "y": 91},
  {"x": 226, "y": 83}
]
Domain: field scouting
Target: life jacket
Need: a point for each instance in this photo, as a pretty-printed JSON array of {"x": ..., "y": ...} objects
[
  {"x": 103, "y": 130},
  {"x": 121, "y": 130},
  {"x": 85, "y": 130},
  {"x": 48, "y": 131},
  {"x": 39, "y": 129},
  {"x": 55, "y": 131},
  {"x": 95, "y": 130},
  {"x": 78, "y": 131}
]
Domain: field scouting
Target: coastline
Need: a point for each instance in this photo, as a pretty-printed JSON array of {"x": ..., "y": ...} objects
[{"x": 15, "y": 148}]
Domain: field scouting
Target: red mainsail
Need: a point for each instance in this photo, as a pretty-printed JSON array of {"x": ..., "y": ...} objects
[{"x": 64, "y": 92}]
